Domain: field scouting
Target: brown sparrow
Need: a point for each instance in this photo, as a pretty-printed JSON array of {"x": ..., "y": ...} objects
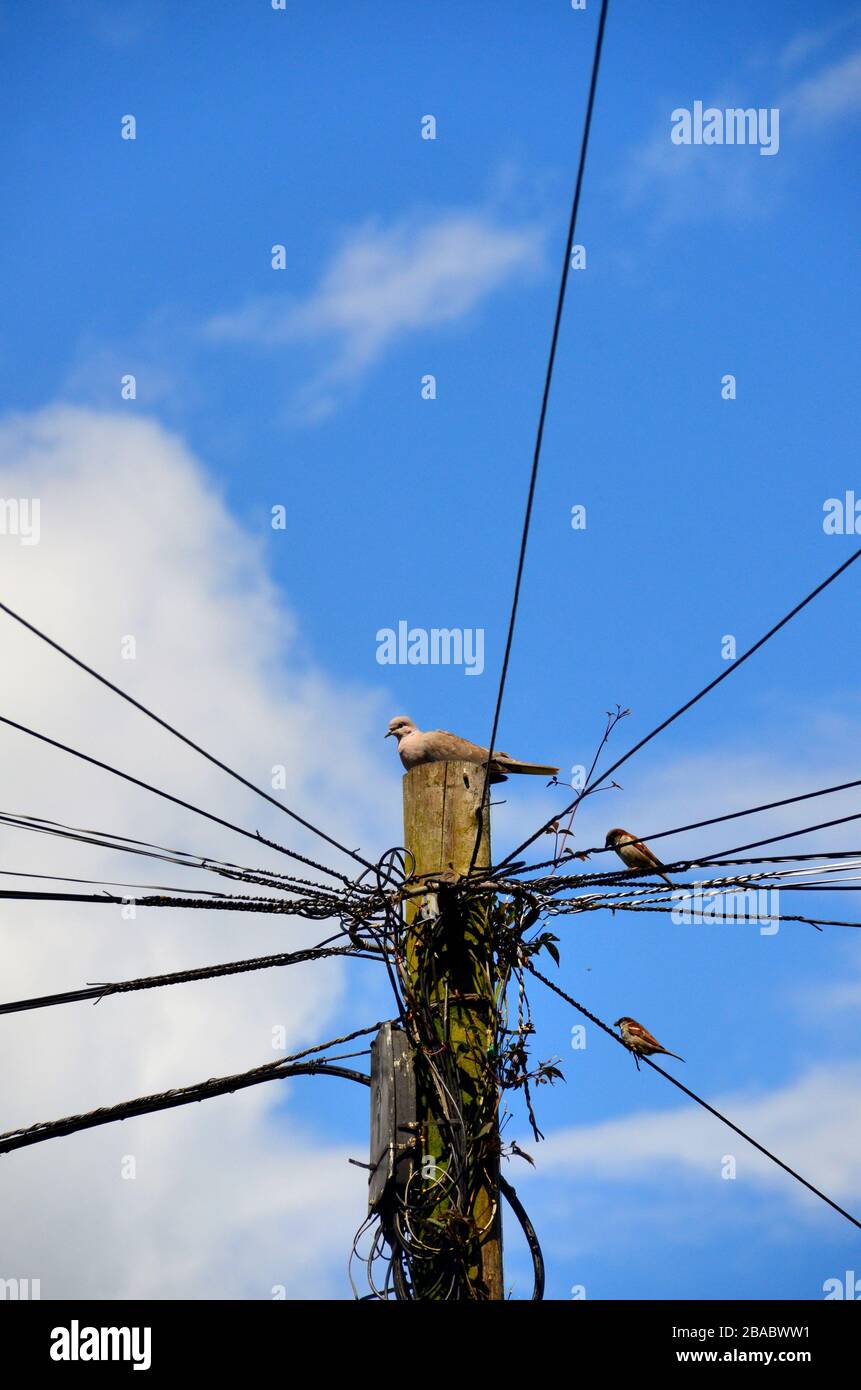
[
  {"x": 640, "y": 1040},
  {"x": 635, "y": 855}
]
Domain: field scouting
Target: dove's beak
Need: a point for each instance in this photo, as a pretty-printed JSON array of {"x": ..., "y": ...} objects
[{"x": 390, "y": 734}]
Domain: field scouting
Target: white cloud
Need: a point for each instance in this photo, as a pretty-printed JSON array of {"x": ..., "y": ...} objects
[
  {"x": 813, "y": 1123},
  {"x": 690, "y": 182},
  {"x": 117, "y": 23},
  {"x": 828, "y": 1002},
  {"x": 686, "y": 183},
  {"x": 829, "y": 95},
  {"x": 383, "y": 283},
  {"x": 810, "y": 41},
  {"x": 226, "y": 1202}
]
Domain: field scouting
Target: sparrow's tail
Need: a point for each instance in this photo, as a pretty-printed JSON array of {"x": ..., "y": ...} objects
[
  {"x": 670, "y": 882},
  {"x": 667, "y": 1053}
]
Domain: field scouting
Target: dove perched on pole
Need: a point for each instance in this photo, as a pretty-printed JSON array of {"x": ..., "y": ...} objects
[{"x": 417, "y": 746}]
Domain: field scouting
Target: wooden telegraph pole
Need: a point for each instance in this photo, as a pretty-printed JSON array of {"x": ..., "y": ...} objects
[{"x": 452, "y": 980}]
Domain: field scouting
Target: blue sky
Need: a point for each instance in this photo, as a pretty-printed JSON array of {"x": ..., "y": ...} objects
[{"x": 301, "y": 388}]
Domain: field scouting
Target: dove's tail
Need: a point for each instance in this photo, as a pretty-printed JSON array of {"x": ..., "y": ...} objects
[{"x": 514, "y": 765}]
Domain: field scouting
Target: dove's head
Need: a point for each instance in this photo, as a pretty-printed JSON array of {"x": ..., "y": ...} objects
[{"x": 400, "y": 726}]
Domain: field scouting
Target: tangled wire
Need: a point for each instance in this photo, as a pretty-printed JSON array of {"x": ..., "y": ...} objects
[{"x": 458, "y": 952}]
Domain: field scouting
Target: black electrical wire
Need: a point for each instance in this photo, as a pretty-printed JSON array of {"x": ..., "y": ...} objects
[
  {"x": 124, "y": 844},
  {"x": 693, "y": 1096},
  {"x": 169, "y": 1100},
  {"x": 542, "y": 416},
  {"x": 179, "y": 977},
  {"x": 814, "y": 593},
  {"x": 695, "y": 825},
  {"x": 528, "y": 1229},
  {"x": 168, "y": 796},
  {"x": 325, "y": 906},
  {"x": 186, "y": 1095},
  {"x": 788, "y": 835},
  {"x": 210, "y": 757},
  {"x": 403, "y": 1291},
  {"x": 111, "y": 883},
  {"x": 269, "y": 878}
]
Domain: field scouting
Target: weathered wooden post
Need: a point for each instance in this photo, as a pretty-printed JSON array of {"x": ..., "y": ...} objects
[{"x": 449, "y": 964}]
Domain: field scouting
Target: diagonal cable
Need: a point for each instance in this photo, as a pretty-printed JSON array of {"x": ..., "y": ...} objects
[
  {"x": 168, "y": 796},
  {"x": 171, "y": 729},
  {"x": 814, "y": 593},
  {"x": 693, "y": 1096},
  {"x": 548, "y": 377}
]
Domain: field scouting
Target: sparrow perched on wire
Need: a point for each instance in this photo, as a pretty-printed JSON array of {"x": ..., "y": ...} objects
[
  {"x": 635, "y": 855},
  {"x": 640, "y": 1040}
]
